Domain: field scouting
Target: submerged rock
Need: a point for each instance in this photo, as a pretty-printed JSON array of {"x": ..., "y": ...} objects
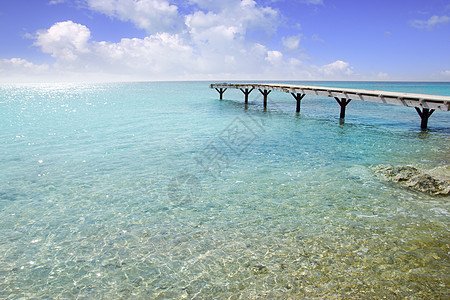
[
  {"x": 441, "y": 172},
  {"x": 260, "y": 269},
  {"x": 414, "y": 178}
]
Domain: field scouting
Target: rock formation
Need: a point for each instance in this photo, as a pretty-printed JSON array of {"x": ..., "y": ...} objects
[{"x": 414, "y": 178}]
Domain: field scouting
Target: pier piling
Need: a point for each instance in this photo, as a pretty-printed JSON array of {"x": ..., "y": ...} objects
[
  {"x": 343, "y": 103},
  {"x": 246, "y": 93},
  {"x": 265, "y": 94},
  {"x": 424, "y": 115},
  {"x": 299, "y": 98},
  {"x": 221, "y": 91}
]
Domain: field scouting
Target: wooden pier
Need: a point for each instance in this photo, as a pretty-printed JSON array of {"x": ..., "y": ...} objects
[{"x": 424, "y": 104}]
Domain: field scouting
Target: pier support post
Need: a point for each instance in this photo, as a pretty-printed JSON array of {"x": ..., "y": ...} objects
[
  {"x": 221, "y": 91},
  {"x": 424, "y": 115},
  {"x": 343, "y": 103},
  {"x": 265, "y": 93},
  {"x": 299, "y": 98},
  {"x": 246, "y": 93}
]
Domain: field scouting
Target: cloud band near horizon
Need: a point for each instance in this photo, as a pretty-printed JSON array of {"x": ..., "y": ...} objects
[{"x": 214, "y": 40}]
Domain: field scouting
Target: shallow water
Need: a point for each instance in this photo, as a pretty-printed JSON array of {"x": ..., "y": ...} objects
[{"x": 159, "y": 190}]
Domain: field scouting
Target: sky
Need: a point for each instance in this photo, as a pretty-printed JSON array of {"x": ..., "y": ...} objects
[{"x": 153, "y": 40}]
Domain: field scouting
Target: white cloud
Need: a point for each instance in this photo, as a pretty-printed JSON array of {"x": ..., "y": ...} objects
[
  {"x": 274, "y": 57},
  {"x": 207, "y": 28},
  {"x": 69, "y": 44},
  {"x": 214, "y": 45},
  {"x": 221, "y": 38},
  {"x": 237, "y": 18},
  {"x": 217, "y": 40},
  {"x": 22, "y": 65},
  {"x": 19, "y": 69},
  {"x": 211, "y": 49},
  {"x": 382, "y": 76},
  {"x": 292, "y": 42},
  {"x": 446, "y": 73},
  {"x": 294, "y": 62},
  {"x": 64, "y": 40},
  {"x": 430, "y": 23},
  {"x": 335, "y": 69},
  {"x": 217, "y": 35},
  {"x": 157, "y": 55},
  {"x": 210, "y": 43},
  {"x": 151, "y": 15}
]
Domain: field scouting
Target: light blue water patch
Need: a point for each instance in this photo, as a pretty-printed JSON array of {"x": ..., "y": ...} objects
[{"x": 160, "y": 190}]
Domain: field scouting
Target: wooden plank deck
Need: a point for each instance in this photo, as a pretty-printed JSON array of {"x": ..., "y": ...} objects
[{"x": 424, "y": 104}]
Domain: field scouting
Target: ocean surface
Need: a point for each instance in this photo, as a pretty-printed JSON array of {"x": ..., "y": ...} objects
[{"x": 162, "y": 191}]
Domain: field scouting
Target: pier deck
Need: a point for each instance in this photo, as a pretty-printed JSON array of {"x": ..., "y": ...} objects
[{"x": 424, "y": 104}]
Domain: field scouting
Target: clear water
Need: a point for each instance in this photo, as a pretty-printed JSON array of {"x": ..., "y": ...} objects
[{"x": 161, "y": 191}]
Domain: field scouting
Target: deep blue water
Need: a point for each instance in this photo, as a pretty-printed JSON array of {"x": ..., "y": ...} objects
[{"x": 160, "y": 190}]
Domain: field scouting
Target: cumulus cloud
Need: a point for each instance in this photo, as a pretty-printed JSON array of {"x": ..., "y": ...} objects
[
  {"x": 162, "y": 53},
  {"x": 15, "y": 69},
  {"x": 212, "y": 49},
  {"x": 157, "y": 56},
  {"x": 221, "y": 38},
  {"x": 69, "y": 44},
  {"x": 215, "y": 36},
  {"x": 217, "y": 39},
  {"x": 236, "y": 20},
  {"x": 64, "y": 40},
  {"x": 274, "y": 57},
  {"x": 431, "y": 23},
  {"x": 22, "y": 65},
  {"x": 150, "y": 15},
  {"x": 209, "y": 29},
  {"x": 335, "y": 69}
]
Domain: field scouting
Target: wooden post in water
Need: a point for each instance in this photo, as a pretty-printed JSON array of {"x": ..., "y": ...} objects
[
  {"x": 343, "y": 103},
  {"x": 246, "y": 93},
  {"x": 299, "y": 98},
  {"x": 265, "y": 93},
  {"x": 424, "y": 115},
  {"x": 221, "y": 91}
]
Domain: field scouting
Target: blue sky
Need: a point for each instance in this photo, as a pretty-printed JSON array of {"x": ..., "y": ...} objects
[{"x": 115, "y": 40}]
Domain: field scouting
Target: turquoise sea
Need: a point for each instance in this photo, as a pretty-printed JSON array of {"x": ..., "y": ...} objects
[{"x": 162, "y": 191}]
